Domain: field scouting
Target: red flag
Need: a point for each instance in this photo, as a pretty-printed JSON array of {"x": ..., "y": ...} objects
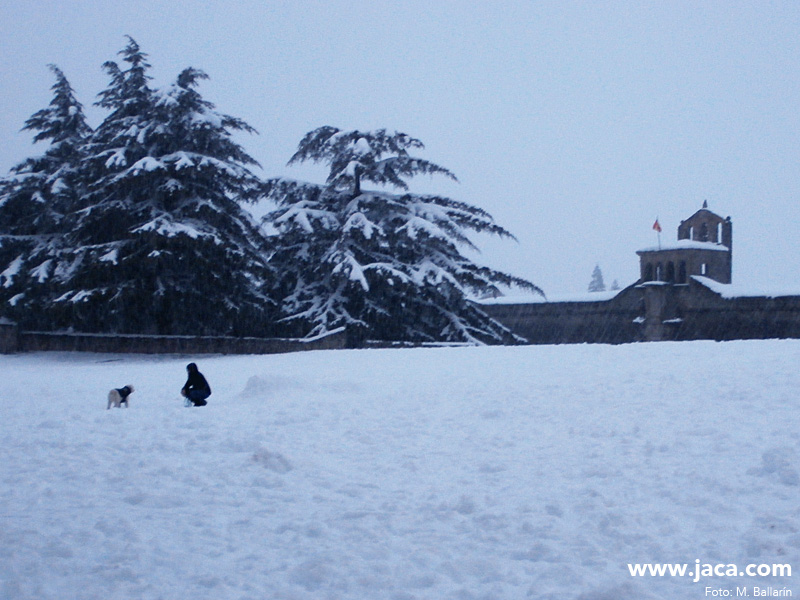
[{"x": 656, "y": 226}]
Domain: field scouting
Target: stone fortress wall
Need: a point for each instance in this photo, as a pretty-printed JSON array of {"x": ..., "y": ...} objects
[{"x": 682, "y": 294}]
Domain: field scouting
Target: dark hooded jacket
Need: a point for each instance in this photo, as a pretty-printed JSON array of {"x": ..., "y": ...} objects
[{"x": 196, "y": 381}]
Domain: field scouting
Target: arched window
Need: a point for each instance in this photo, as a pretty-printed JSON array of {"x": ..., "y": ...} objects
[
  {"x": 648, "y": 272},
  {"x": 718, "y": 239},
  {"x": 682, "y": 272},
  {"x": 670, "y": 272},
  {"x": 704, "y": 232},
  {"x": 659, "y": 272}
]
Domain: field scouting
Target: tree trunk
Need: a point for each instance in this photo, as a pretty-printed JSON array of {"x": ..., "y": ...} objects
[{"x": 357, "y": 182}]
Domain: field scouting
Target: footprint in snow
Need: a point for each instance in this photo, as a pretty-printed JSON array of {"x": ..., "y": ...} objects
[
  {"x": 272, "y": 461},
  {"x": 780, "y": 462}
]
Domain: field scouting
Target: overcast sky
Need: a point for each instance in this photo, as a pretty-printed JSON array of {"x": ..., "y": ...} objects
[{"x": 574, "y": 124}]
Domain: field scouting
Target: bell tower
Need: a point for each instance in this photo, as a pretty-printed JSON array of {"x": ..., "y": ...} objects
[
  {"x": 704, "y": 248},
  {"x": 705, "y": 226}
]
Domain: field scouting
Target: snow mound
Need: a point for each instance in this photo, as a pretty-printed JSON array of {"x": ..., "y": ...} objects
[{"x": 262, "y": 387}]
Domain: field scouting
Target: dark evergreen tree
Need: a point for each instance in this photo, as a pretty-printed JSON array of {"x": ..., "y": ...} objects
[
  {"x": 597, "y": 284},
  {"x": 41, "y": 190},
  {"x": 387, "y": 266},
  {"x": 160, "y": 242},
  {"x": 38, "y": 197}
]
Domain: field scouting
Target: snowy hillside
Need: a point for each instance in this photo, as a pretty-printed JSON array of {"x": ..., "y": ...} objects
[{"x": 459, "y": 473}]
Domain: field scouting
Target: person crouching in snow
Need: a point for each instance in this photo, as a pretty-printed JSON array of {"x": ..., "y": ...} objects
[{"x": 196, "y": 389}]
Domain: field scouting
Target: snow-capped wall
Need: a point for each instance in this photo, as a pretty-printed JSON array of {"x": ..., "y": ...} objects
[
  {"x": 12, "y": 340},
  {"x": 654, "y": 311}
]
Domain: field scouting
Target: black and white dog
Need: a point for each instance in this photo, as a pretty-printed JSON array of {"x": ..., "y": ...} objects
[{"x": 118, "y": 397}]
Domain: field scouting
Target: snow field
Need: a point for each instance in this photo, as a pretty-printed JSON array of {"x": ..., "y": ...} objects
[{"x": 528, "y": 472}]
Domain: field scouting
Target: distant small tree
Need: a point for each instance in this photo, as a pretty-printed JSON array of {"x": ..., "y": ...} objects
[
  {"x": 596, "y": 284},
  {"x": 615, "y": 286}
]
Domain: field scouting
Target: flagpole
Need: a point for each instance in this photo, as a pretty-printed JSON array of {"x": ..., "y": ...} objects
[{"x": 657, "y": 227}]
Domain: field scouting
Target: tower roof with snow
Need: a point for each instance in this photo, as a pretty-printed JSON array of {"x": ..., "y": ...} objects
[{"x": 703, "y": 248}]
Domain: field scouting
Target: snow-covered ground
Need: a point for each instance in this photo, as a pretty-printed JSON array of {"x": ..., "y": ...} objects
[{"x": 454, "y": 473}]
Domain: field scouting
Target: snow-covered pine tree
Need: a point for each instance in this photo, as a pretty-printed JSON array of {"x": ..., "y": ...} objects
[
  {"x": 38, "y": 192},
  {"x": 161, "y": 243},
  {"x": 38, "y": 197},
  {"x": 387, "y": 266},
  {"x": 597, "y": 284}
]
